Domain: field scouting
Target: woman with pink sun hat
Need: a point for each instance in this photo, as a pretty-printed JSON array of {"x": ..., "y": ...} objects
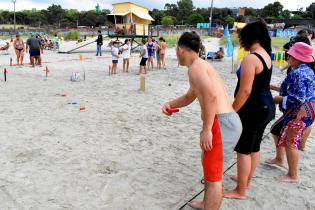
[{"x": 298, "y": 103}]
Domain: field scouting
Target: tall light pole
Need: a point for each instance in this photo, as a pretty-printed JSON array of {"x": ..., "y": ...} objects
[
  {"x": 210, "y": 18},
  {"x": 14, "y": 1}
]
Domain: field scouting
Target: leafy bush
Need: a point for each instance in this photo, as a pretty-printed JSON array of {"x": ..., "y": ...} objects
[
  {"x": 195, "y": 18},
  {"x": 167, "y": 21},
  {"x": 73, "y": 35}
]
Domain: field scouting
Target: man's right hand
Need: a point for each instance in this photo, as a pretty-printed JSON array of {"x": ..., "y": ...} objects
[{"x": 165, "y": 107}]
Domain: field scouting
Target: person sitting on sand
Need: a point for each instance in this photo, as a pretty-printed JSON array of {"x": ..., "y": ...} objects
[
  {"x": 50, "y": 45},
  {"x": 19, "y": 47},
  {"x": 297, "y": 100},
  {"x": 34, "y": 45},
  {"x": 221, "y": 125},
  {"x": 115, "y": 57},
  {"x": 5, "y": 47},
  {"x": 253, "y": 102},
  {"x": 144, "y": 57},
  {"x": 219, "y": 54}
]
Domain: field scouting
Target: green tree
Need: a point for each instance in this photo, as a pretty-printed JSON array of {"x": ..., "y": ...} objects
[
  {"x": 1, "y": 18},
  {"x": 240, "y": 19},
  {"x": 171, "y": 9},
  {"x": 72, "y": 15},
  {"x": 185, "y": 8},
  {"x": 195, "y": 18},
  {"x": 249, "y": 11},
  {"x": 7, "y": 17},
  {"x": 311, "y": 10},
  {"x": 272, "y": 9},
  {"x": 167, "y": 21},
  {"x": 55, "y": 14},
  {"x": 296, "y": 17},
  {"x": 157, "y": 16},
  {"x": 204, "y": 12},
  {"x": 286, "y": 14},
  {"x": 230, "y": 21}
]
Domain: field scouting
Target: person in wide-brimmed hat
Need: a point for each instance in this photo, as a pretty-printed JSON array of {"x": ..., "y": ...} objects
[{"x": 297, "y": 100}]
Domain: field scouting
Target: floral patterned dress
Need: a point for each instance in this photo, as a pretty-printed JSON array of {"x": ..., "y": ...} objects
[{"x": 298, "y": 91}]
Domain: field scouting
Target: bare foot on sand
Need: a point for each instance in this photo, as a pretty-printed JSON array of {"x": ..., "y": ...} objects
[
  {"x": 287, "y": 178},
  {"x": 196, "y": 205},
  {"x": 233, "y": 194},
  {"x": 234, "y": 178},
  {"x": 274, "y": 162}
]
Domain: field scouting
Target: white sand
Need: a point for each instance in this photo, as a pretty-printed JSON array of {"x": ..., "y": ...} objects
[{"x": 121, "y": 153}]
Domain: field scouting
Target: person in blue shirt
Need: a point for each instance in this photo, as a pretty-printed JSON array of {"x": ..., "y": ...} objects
[{"x": 297, "y": 101}]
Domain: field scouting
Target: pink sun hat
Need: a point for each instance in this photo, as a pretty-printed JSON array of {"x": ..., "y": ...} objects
[{"x": 302, "y": 52}]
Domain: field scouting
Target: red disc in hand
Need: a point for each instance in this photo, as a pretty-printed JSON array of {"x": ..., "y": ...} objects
[{"x": 172, "y": 110}]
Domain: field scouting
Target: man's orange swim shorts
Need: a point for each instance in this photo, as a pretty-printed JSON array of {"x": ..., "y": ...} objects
[{"x": 213, "y": 160}]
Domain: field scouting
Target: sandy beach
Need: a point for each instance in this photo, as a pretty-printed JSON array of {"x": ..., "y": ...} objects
[{"x": 120, "y": 152}]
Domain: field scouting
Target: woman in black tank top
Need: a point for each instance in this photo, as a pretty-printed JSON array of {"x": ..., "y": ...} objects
[{"x": 253, "y": 102}]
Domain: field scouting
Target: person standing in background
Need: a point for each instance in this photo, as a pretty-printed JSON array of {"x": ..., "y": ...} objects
[{"x": 99, "y": 43}]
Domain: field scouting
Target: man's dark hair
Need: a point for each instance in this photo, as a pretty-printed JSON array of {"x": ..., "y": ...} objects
[
  {"x": 305, "y": 33},
  {"x": 143, "y": 41},
  {"x": 311, "y": 32},
  {"x": 255, "y": 32},
  {"x": 99, "y": 31},
  {"x": 190, "y": 41},
  {"x": 300, "y": 39}
]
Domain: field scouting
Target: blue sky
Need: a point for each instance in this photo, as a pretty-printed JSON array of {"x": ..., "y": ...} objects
[{"x": 106, "y": 4}]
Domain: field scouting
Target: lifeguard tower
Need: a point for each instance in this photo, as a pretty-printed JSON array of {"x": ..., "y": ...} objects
[{"x": 130, "y": 21}]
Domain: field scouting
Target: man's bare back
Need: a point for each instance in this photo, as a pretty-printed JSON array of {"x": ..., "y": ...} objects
[{"x": 203, "y": 78}]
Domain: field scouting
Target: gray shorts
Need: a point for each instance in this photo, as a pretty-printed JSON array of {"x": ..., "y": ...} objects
[{"x": 231, "y": 130}]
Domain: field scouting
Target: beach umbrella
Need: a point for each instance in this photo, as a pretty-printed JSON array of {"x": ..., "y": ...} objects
[{"x": 226, "y": 31}]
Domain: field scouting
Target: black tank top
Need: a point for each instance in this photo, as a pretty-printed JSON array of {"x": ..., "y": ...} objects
[{"x": 260, "y": 95}]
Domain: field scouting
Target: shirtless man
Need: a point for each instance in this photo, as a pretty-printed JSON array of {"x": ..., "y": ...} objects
[{"x": 221, "y": 125}]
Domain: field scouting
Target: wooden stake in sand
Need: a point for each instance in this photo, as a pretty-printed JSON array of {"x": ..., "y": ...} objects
[
  {"x": 5, "y": 74},
  {"x": 142, "y": 83},
  {"x": 46, "y": 70},
  {"x": 11, "y": 61},
  {"x": 84, "y": 75}
]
